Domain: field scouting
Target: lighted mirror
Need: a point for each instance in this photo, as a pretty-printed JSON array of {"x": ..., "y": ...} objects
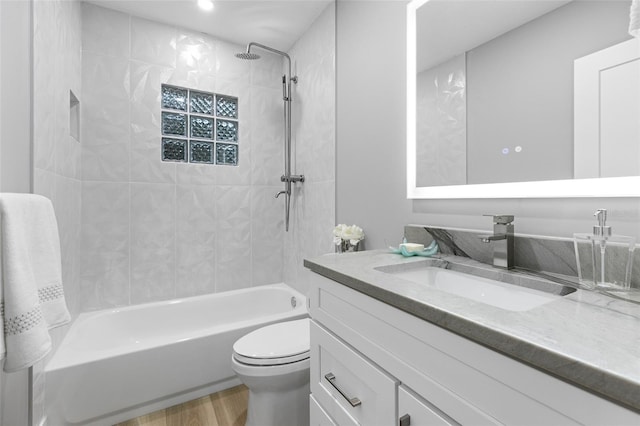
[{"x": 522, "y": 98}]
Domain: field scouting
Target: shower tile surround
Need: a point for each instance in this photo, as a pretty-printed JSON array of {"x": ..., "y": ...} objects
[
  {"x": 535, "y": 253},
  {"x": 153, "y": 229}
]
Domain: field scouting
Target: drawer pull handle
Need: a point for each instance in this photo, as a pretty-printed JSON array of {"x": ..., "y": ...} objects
[
  {"x": 331, "y": 379},
  {"x": 405, "y": 420}
]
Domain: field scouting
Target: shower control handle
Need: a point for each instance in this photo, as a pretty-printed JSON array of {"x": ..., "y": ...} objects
[{"x": 292, "y": 178}]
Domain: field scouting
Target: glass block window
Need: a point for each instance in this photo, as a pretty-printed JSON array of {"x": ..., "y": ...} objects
[
  {"x": 226, "y": 107},
  {"x": 199, "y": 127},
  {"x": 227, "y": 131},
  {"x": 227, "y": 154},
  {"x": 202, "y": 103},
  {"x": 174, "y": 124},
  {"x": 201, "y": 152},
  {"x": 174, "y": 98},
  {"x": 174, "y": 150}
]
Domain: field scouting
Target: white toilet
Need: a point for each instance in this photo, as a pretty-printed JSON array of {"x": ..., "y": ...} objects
[{"x": 273, "y": 362}]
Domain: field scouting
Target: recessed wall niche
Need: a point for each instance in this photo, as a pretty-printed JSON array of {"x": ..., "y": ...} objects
[{"x": 199, "y": 127}]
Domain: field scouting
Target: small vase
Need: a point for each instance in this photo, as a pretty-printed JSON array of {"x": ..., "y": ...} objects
[{"x": 345, "y": 246}]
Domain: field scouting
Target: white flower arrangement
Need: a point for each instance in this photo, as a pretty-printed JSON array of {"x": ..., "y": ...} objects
[{"x": 347, "y": 237}]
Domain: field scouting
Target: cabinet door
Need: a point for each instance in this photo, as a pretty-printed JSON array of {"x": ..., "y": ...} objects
[
  {"x": 414, "y": 411},
  {"x": 350, "y": 388}
]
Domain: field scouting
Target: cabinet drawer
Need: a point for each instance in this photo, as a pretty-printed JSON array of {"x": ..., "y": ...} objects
[
  {"x": 418, "y": 412},
  {"x": 318, "y": 416},
  {"x": 352, "y": 390}
]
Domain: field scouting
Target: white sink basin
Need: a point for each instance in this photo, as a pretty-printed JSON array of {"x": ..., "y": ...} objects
[{"x": 495, "y": 293}]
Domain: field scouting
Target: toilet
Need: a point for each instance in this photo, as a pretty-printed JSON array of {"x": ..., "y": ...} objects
[{"x": 273, "y": 362}]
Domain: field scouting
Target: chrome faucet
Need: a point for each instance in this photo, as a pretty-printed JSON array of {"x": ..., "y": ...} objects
[{"x": 502, "y": 239}]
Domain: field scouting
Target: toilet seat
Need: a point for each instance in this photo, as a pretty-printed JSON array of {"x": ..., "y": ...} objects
[{"x": 276, "y": 344}]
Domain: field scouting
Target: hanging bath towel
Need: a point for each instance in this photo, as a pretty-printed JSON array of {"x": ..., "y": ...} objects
[{"x": 31, "y": 295}]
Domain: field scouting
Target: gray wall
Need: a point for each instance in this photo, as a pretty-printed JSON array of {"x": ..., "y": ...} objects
[
  {"x": 371, "y": 187},
  {"x": 370, "y": 97},
  {"x": 520, "y": 92},
  {"x": 15, "y": 102},
  {"x": 15, "y": 159}
]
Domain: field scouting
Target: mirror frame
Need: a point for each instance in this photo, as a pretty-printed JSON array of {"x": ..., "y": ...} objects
[{"x": 596, "y": 187}]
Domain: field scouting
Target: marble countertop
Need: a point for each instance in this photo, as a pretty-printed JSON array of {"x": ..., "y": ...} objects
[{"x": 585, "y": 338}]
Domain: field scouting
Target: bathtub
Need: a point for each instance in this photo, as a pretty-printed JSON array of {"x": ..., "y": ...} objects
[{"x": 116, "y": 364}]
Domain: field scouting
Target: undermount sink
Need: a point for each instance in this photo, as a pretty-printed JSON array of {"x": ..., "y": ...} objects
[{"x": 509, "y": 291}]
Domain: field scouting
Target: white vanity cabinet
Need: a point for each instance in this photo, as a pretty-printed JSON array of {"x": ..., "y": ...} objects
[
  {"x": 374, "y": 364},
  {"x": 413, "y": 410}
]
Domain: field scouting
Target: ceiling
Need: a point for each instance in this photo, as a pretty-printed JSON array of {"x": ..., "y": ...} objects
[{"x": 278, "y": 24}]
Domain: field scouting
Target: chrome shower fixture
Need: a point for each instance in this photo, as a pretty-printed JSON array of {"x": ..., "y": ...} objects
[
  {"x": 247, "y": 55},
  {"x": 287, "y": 79}
]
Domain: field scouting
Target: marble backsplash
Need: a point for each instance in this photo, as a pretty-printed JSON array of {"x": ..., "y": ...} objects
[{"x": 537, "y": 253}]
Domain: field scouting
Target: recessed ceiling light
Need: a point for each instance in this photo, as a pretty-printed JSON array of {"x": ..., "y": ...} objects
[{"x": 205, "y": 4}]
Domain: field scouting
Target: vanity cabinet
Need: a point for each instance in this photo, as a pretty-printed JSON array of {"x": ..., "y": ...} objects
[
  {"x": 413, "y": 410},
  {"x": 374, "y": 364}
]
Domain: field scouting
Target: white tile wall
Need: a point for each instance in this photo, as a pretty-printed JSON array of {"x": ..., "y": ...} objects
[
  {"x": 313, "y": 203},
  {"x": 56, "y": 154},
  {"x": 108, "y": 33},
  {"x": 153, "y": 224},
  {"x": 195, "y": 239},
  {"x": 268, "y": 140},
  {"x": 153, "y": 42},
  {"x": 105, "y": 118},
  {"x": 105, "y": 245},
  {"x": 57, "y": 50},
  {"x": 153, "y": 230},
  {"x": 233, "y": 242}
]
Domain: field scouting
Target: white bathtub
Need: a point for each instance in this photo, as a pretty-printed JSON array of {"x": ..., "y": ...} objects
[{"x": 120, "y": 363}]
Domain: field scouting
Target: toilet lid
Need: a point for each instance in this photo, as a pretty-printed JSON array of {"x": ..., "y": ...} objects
[{"x": 274, "y": 344}]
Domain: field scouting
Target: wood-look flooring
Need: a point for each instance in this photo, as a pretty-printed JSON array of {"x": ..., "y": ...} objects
[{"x": 225, "y": 408}]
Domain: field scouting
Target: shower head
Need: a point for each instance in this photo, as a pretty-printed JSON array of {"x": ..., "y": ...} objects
[{"x": 247, "y": 55}]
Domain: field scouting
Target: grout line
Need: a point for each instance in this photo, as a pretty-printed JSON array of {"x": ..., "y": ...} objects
[{"x": 130, "y": 200}]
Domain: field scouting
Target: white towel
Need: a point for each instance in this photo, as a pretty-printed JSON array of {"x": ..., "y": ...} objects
[{"x": 32, "y": 298}]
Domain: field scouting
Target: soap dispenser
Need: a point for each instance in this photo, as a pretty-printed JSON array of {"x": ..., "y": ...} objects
[{"x": 604, "y": 260}]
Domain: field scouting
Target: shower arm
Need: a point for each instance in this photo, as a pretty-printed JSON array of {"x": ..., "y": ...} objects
[{"x": 277, "y": 52}]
